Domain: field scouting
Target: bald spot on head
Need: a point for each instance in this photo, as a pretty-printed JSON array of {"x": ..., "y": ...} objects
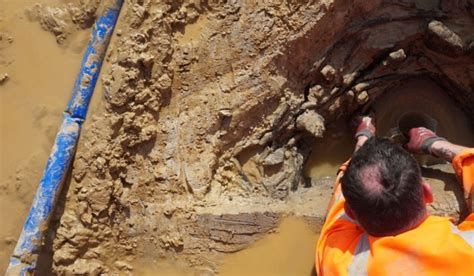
[{"x": 371, "y": 179}]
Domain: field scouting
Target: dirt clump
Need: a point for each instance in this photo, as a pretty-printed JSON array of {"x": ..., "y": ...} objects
[
  {"x": 218, "y": 104},
  {"x": 64, "y": 19},
  {"x": 4, "y": 78}
]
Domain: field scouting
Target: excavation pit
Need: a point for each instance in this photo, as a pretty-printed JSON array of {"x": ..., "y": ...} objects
[{"x": 217, "y": 120}]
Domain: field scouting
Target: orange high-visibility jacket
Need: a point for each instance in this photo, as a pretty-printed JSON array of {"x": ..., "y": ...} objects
[{"x": 435, "y": 247}]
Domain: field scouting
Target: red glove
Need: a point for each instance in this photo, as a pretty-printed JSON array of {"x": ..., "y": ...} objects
[
  {"x": 365, "y": 127},
  {"x": 421, "y": 140}
]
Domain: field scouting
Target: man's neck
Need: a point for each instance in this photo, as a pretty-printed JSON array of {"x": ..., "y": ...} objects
[{"x": 415, "y": 223}]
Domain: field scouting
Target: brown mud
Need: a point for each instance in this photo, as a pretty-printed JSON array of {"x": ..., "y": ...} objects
[
  {"x": 216, "y": 120},
  {"x": 289, "y": 251}
]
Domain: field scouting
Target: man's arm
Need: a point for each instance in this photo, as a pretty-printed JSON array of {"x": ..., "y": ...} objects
[
  {"x": 365, "y": 130},
  {"x": 423, "y": 140},
  {"x": 446, "y": 150},
  {"x": 360, "y": 142}
]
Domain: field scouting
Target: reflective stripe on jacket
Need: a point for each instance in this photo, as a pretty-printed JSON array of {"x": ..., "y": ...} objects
[{"x": 435, "y": 247}]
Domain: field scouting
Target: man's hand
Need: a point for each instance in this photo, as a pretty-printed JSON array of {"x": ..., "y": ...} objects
[
  {"x": 365, "y": 130},
  {"x": 365, "y": 126},
  {"x": 426, "y": 141},
  {"x": 421, "y": 140}
]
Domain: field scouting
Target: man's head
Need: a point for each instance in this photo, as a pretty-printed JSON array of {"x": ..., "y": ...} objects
[{"x": 384, "y": 189}]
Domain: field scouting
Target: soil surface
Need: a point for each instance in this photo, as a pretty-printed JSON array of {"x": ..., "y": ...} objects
[{"x": 215, "y": 120}]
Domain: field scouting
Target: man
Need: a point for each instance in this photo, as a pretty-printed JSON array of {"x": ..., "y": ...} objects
[{"x": 378, "y": 223}]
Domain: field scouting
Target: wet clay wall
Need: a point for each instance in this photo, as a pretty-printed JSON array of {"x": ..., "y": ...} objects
[{"x": 211, "y": 111}]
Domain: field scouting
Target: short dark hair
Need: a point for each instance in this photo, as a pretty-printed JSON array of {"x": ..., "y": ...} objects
[{"x": 382, "y": 186}]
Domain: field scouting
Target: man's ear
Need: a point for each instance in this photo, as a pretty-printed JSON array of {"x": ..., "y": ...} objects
[
  {"x": 349, "y": 211},
  {"x": 427, "y": 192}
]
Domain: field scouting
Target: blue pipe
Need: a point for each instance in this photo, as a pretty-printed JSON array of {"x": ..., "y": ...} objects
[{"x": 24, "y": 258}]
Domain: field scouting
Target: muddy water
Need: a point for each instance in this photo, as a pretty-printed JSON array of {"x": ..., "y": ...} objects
[
  {"x": 330, "y": 152},
  {"x": 31, "y": 103},
  {"x": 289, "y": 251}
]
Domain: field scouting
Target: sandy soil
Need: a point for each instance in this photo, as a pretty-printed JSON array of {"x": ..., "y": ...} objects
[{"x": 211, "y": 113}]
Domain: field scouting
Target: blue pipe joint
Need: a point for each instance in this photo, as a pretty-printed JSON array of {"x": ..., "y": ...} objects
[
  {"x": 92, "y": 62},
  {"x": 43, "y": 204}
]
